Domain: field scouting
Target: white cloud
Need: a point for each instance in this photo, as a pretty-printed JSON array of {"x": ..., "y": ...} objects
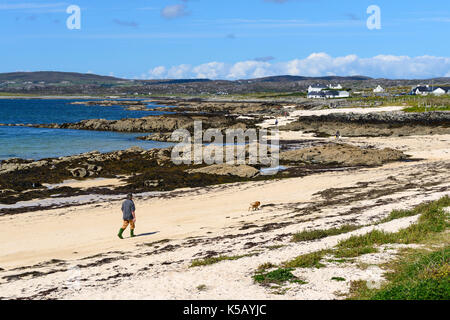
[
  {"x": 174, "y": 11},
  {"x": 179, "y": 72},
  {"x": 211, "y": 70},
  {"x": 157, "y": 72},
  {"x": 316, "y": 64},
  {"x": 249, "y": 69}
]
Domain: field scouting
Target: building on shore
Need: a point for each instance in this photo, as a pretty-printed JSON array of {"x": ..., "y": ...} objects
[
  {"x": 316, "y": 88},
  {"x": 379, "y": 89},
  {"x": 316, "y": 95},
  {"x": 335, "y": 86},
  {"x": 328, "y": 94},
  {"x": 427, "y": 90},
  {"x": 441, "y": 90}
]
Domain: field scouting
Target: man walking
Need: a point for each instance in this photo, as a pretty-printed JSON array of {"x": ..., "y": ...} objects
[{"x": 129, "y": 216}]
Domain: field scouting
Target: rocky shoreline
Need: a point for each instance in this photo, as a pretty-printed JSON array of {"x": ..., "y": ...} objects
[
  {"x": 152, "y": 170},
  {"x": 373, "y": 124},
  {"x": 165, "y": 124}
]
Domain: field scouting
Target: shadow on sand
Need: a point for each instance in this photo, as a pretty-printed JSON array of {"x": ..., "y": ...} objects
[{"x": 146, "y": 234}]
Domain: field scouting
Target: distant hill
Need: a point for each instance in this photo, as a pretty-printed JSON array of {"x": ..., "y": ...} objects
[
  {"x": 301, "y": 78},
  {"x": 71, "y": 83},
  {"x": 74, "y": 77},
  {"x": 55, "y": 76},
  {"x": 174, "y": 81}
]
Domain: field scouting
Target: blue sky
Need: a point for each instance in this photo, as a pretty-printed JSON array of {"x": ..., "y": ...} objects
[{"x": 229, "y": 39}]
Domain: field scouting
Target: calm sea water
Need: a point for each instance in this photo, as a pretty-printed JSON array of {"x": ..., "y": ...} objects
[{"x": 38, "y": 143}]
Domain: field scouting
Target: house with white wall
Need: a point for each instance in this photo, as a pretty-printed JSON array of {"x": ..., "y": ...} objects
[
  {"x": 421, "y": 90},
  {"x": 328, "y": 94},
  {"x": 316, "y": 88},
  {"x": 426, "y": 90},
  {"x": 335, "y": 87},
  {"x": 316, "y": 95},
  {"x": 439, "y": 91},
  {"x": 379, "y": 89}
]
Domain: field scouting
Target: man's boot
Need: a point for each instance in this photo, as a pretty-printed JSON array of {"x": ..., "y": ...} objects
[
  {"x": 132, "y": 233},
  {"x": 120, "y": 233}
]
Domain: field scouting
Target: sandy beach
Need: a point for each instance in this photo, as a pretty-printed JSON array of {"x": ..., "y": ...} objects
[{"x": 74, "y": 252}]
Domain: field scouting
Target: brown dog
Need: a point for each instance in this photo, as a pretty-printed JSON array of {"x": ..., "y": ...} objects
[{"x": 254, "y": 206}]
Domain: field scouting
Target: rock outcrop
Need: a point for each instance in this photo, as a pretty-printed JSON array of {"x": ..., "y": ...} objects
[
  {"x": 164, "y": 124},
  {"x": 374, "y": 124},
  {"x": 239, "y": 170},
  {"x": 341, "y": 154}
]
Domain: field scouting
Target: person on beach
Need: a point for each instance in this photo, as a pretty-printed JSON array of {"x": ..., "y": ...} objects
[
  {"x": 338, "y": 135},
  {"x": 129, "y": 216}
]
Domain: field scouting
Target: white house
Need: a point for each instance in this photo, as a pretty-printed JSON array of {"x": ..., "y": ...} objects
[
  {"x": 316, "y": 88},
  {"x": 335, "y": 87},
  {"x": 333, "y": 94},
  {"x": 344, "y": 94},
  {"x": 421, "y": 90},
  {"x": 316, "y": 95},
  {"x": 439, "y": 91},
  {"x": 379, "y": 89},
  {"x": 328, "y": 94}
]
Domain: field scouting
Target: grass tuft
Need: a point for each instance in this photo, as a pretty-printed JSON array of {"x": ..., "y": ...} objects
[
  {"x": 416, "y": 276},
  {"x": 319, "y": 234},
  {"x": 433, "y": 219},
  {"x": 213, "y": 260},
  {"x": 278, "y": 276},
  {"x": 338, "y": 279},
  {"x": 353, "y": 252},
  {"x": 309, "y": 260}
]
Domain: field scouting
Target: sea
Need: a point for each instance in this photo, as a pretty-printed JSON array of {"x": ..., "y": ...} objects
[{"x": 40, "y": 143}]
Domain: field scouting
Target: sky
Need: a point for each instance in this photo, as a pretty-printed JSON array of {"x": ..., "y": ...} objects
[{"x": 227, "y": 39}]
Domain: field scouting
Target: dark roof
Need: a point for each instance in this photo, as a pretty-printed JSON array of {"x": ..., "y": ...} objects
[
  {"x": 320, "y": 93},
  {"x": 446, "y": 88},
  {"x": 422, "y": 89}
]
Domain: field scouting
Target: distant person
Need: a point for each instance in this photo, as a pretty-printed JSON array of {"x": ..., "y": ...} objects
[
  {"x": 338, "y": 135},
  {"x": 129, "y": 216},
  {"x": 276, "y": 121}
]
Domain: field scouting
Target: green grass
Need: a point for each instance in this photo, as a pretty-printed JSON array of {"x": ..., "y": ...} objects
[
  {"x": 338, "y": 279},
  {"x": 309, "y": 260},
  {"x": 353, "y": 252},
  {"x": 278, "y": 276},
  {"x": 429, "y": 229},
  {"x": 420, "y": 209},
  {"x": 13, "y": 94},
  {"x": 265, "y": 266},
  {"x": 423, "y": 109},
  {"x": 213, "y": 260},
  {"x": 343, "y": 260},
  {"x": 432, "y": 220},
  {"x": 319, "y": 234},
  {"x": 418, "y": 275}
]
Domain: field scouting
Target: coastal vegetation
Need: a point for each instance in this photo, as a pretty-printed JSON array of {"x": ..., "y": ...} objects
[
  {"x": 421, "y": 272},
  {"x": 213, "y": 260},
  {"x": 416, "y": 275},
  {"x": 309, "y": 235}
]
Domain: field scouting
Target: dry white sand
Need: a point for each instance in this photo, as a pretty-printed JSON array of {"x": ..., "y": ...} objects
[{"x": 178, "y": 227}]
